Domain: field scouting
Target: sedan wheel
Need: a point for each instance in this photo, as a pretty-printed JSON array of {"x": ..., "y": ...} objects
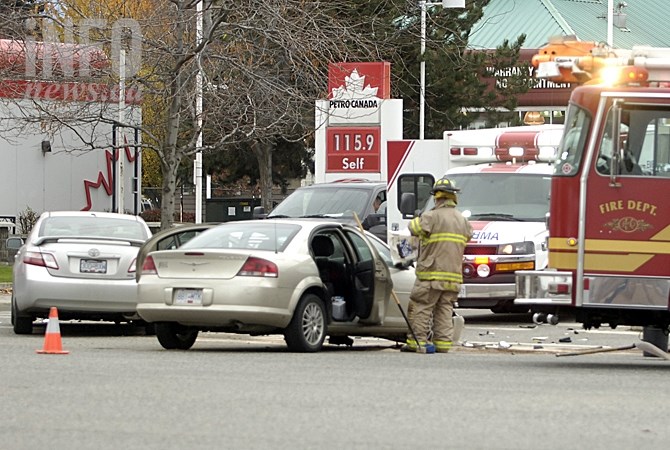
[
  {"x": 22, "y": 324},
  {"x": 307, "y": 329},
  {"x": 174, "y": 336}
]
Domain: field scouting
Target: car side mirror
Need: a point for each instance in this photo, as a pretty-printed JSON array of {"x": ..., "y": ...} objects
[
  {"x": 14, "y": 243},
  {"x": 259, "y": 212},
  {"x": 373, "y": 220}
]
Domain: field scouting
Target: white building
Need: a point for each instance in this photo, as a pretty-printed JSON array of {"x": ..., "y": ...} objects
[{"x": 48, "y": 165}]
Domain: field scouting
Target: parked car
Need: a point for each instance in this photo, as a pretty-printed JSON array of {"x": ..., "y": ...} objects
[
  {"x": 83, "y": 263},
  {"x": 338, "y": 201},
  {"x": 305, "y": 279}
]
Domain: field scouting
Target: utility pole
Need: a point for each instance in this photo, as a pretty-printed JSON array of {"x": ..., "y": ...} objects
[
  {"x": 197, "y": 167},
  {"x": 120, "y": 147}
]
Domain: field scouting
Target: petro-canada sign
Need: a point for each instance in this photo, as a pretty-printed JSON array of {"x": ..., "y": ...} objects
[
  {"x": 353, "y": 134},
  {"x": 355, "y": 121}
]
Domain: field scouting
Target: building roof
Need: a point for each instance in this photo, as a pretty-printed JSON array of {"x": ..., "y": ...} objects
[{"x": 646, "y": 22}]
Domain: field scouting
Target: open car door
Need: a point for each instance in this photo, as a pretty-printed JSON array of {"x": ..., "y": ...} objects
[{"x": 372, "y": 280}]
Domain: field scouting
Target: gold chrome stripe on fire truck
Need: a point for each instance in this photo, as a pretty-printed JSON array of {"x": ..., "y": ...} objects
[
  {"x": 663, "y": 235},
  {"x": 615, "y": 246},
  {"x": 600, "y": 253},
  {"x": 599, "y": 261},
  {"x": 598, "y": 245}
]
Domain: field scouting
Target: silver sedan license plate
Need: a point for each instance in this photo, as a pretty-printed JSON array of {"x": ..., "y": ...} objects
[
  {"x": 92, "y": 266},
  {"x": 188, "y": 296}
]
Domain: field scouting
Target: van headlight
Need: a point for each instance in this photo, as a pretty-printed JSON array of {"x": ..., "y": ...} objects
[{"x": 517, "y": 248}]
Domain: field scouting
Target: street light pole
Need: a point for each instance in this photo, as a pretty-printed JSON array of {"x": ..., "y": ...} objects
[
  {"x": 610, "y": 21},
  {"x": 422, "y": 90},
  {"x": 197, "y": 167},
  {"x": 120, "y": 146}
]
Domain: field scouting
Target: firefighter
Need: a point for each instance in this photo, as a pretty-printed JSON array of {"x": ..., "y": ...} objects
[{"x": 443, "y": 233}]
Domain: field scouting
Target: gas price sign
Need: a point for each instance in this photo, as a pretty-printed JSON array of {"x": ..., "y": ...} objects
[{"x": 350, "y": 149}]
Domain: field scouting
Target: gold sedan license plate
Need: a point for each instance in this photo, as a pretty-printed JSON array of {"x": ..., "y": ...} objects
[{"x": 188, "y": 296}]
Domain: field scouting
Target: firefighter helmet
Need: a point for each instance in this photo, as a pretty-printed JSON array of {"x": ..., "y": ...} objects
[{"x": 444, "y": 184}]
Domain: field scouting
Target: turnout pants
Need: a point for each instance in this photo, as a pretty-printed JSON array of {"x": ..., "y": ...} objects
[{"x": 431, "y": 306}]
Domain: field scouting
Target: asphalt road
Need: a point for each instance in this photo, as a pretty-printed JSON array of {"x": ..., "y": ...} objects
[{"x": 119, "y": 389}]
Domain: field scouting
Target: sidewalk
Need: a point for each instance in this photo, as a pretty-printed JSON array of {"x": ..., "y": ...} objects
[{"x": 5, "y": 293}]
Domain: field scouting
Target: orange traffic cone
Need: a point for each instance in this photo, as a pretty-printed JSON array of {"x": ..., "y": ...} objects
[{"x": 52, "y": 342}]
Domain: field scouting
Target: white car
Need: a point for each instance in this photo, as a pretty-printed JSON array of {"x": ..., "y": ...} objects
[
  {"x": 305, "y": 279},
  {"x": 83, "y": 263}
]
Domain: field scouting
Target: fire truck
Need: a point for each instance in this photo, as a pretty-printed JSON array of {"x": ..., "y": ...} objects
[
  {"x": 609, "y": 220},
  {"x": 504, "y": 175}
]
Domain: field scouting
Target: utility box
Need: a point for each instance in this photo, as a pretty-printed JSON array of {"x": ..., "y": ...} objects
[
  {"x": 619, "y": 20},
  {"x": 229, "y": 209},
  {"x": 8, "y": 242}
]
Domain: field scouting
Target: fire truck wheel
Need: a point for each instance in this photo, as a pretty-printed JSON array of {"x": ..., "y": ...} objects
[{"x": 539, "y": 318}]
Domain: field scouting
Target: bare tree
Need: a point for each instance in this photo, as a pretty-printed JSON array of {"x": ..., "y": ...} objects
[{"x": 262, "y": 63}]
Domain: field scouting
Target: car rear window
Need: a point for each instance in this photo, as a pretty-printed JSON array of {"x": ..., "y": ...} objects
[
  {"x": 245, "y": 236},
  {"x": 92, "y": 226}
]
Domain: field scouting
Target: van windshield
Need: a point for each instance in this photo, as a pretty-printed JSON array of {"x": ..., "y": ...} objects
[
  {"x": 331, "y": 201},
  {"x": 502, "y": 196}
]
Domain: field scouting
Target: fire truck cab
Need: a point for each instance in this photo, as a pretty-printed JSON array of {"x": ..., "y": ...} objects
[
  {"x": 609, "y": 223},
  {"x": 505, "y": 177}
]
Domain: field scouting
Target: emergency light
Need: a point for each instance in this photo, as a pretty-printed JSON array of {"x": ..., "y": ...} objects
[
  {"x": 623, "y": 76},
  {"x": 488, "y": 154}
]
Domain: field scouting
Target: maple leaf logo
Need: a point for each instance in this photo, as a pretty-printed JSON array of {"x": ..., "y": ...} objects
[{"x": 354, "y": 87}]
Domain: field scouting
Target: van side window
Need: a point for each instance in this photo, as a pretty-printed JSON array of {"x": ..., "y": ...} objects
[{"x": 418, "y": 184}]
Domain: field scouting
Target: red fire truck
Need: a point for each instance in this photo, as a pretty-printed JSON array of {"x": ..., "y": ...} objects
[{"x": 609, "y": 219}]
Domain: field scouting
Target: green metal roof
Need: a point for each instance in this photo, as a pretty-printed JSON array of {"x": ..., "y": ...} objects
[{"x": 646, "y": 22}]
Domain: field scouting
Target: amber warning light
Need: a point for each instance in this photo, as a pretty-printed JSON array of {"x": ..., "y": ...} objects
[{"x": 624, "y": 76}]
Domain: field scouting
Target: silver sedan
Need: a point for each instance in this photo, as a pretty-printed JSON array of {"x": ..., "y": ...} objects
[
  {"x": 304, "y": 279},
  {"x": 82, "y": 263}
]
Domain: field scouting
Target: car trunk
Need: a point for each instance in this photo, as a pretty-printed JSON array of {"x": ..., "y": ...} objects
[
  {"x": 97, "y": 259},
  {"x": 198, "y": 264}
]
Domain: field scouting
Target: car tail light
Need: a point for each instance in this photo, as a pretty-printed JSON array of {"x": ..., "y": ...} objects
[
  {"x": 149, "y": 268},
  {"x": 40, "y": 259},
  {"x": 257, "y": 267}
]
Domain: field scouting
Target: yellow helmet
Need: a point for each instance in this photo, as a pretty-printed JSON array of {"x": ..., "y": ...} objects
[{"x": 444, "y": 184}]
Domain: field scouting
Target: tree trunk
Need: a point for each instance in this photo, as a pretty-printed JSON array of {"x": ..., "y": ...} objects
[
  {"x": 263, "y": 153},
  {"x": 169, "y": 188}
]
